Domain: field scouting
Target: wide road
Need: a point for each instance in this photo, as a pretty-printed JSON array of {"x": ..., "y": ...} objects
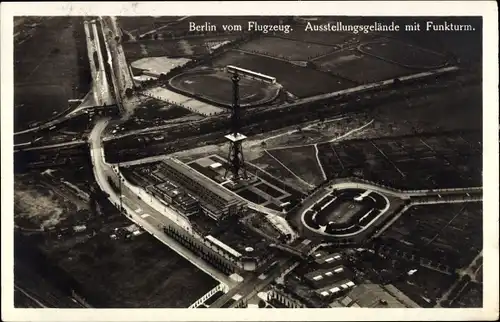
[
  {"x": 102, "y": 81},
  {"x": 140, "y": 211}
]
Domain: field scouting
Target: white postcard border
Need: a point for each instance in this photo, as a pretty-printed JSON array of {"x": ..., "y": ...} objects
[{"x": 486, "y": 9}]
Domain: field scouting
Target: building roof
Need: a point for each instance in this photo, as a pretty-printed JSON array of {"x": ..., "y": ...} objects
[
  {"x": 335, "y": 288},
  {"x": 323, "y": 277},
  {"x": 216, "y": 165},
  {"x": 167, "y": 188},
  {"x": 222, "y": 192},
  {"x": 318, "y": 254},
  {"x": 223, "y": 246},
  {"x": 186, "y": 199}
]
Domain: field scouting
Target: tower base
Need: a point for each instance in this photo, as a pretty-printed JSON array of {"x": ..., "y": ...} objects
[{"x": 237, "y": 169}]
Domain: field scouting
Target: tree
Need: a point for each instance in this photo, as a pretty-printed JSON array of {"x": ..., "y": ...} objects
[{"x": 129, "y": 92}]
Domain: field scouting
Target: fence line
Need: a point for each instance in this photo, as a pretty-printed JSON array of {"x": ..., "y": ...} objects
[{"x": 221, "y": 287}]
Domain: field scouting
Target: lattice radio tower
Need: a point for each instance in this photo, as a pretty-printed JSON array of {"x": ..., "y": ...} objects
[{"x": 235, "y": 159}]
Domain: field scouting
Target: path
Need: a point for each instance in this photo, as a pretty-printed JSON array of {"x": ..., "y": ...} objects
[
  {"x": 284, "y": 166},
  {"x": 323, "y": 174}
]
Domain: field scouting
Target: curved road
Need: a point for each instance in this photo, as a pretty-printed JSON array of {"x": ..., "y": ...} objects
[{"x": 137, "y": 209}]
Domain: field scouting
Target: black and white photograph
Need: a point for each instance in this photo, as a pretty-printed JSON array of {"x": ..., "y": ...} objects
[{"x": 252, "y": 161}]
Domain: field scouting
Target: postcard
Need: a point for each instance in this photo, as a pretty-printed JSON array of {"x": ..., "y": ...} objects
[{"x": 264, "y": 161}]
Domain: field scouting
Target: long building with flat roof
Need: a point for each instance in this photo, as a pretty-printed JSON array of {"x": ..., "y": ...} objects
[{"x": 217, "y": 201}]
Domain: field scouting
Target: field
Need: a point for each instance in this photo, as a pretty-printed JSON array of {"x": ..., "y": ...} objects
[
  {"x": 286, "y": 48},
  {"x": 168, "y": 26},
  {"x": 455, "y": 108},
  {"x": 301, "y": 161},
  {"x": 413, "y": 162},
  {"x": 188, "y": 47},
  {"x": 271, "y": 166},
  {"x": 353, "y": 65},
  {"x": 426, "y": 286},
  {"x": 448, "y": 233},
  {"x": 300, "y": 81},
  {"x": 218, "y": 87},
  {"x": 37, "y": 103},
  {"x": 50, "y": 67},
  {"x": 397, "y": 149},
  {"x": 341, "y": 214},
  {"x": 404, "y": 54}
]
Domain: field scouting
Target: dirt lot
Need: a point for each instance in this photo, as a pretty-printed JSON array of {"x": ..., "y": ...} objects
[
  {"x": 40, "y": 202},
  {"x": 217, "y": 87},
  {"x": 287, "y": 48},
  {"x": 404, "y": 54},
  {"x": 271, "y": 166},
  {"x": 35, "y": 104},
  {"x": 193, "y": 104},
  {"x": 361, "y": 68},
  {"x": 300, "y": 81},
  {"x": 301, "y": 161},
  {"x": 50, "y": 67}
]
